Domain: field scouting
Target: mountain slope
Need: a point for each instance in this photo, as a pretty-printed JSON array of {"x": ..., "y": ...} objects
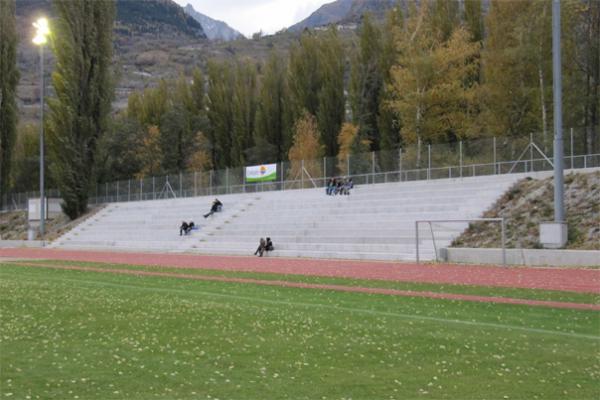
[
  {"x": 344, "y": 11},
  {"x": 133, "y": 16},
  {"x": 214, "y": 29}
]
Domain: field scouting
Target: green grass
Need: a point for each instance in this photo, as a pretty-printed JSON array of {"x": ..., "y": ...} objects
[
  {"x": 547, "y": 295},
  {"x": 87, "y": 335}
]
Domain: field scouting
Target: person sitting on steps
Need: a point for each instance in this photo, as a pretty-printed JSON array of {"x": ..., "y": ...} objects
[
  {"x": 186, "y": 228},
  {"x": 217, "y": 206},
  {"x": 269, "y": 245},
  {"x": 261, "y": 247}
]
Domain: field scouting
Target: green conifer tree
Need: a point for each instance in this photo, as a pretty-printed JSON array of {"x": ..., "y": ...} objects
[{"x": 82, "y": 45}]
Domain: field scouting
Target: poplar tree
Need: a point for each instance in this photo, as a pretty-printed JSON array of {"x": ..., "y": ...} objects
[
  {"x": 243, "y": 111},
  {"x": 509, "y": 87},
  {"x": 82, "y": 45},
  {"x": 220, "y": 112},
  {"x": 331, "y": 98},
  {"x": 273, "y": 130},
  {"x": 9, "y": 77},
  {"x": 366, "y": 81}
]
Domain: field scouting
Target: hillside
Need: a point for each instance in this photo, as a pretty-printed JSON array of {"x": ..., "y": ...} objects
[
  {"x": 147, "y": 33},
  {"x": 530, "y": 202},
  {"x": 214, "y": 29},
  {"x": 345, "y": 12}
]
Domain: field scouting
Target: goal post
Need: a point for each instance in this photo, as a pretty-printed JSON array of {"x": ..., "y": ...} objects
[{"x": 501, "y": 221}]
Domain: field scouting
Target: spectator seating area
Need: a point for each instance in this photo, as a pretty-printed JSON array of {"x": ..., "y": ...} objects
[{"x": 375, "y": 222}]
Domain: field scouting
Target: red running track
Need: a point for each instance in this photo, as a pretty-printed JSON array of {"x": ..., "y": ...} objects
[{"x": 572, "y": 279}]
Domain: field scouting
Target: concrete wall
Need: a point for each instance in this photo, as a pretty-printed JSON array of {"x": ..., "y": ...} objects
[
  {"x": 21, "y": 243},
  {"x": 529, "y": 257}
]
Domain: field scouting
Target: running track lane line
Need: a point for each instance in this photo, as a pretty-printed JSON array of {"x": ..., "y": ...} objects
[
  {"x": 338, "y": 308},
  {"x": 340, "y": 288}
]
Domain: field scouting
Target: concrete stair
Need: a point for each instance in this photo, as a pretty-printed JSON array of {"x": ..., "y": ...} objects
[{"x": 375, "y": 222}]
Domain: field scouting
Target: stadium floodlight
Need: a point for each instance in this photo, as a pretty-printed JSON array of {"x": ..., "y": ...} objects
[
  {"x": 40, "y": 39},
  {"x": 42, "y": 31}
]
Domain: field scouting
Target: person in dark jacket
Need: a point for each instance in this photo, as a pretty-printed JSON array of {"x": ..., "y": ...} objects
[
  {"x": 183, "y": 229},
  {"x": 269, "y": 245},
  {"x": 262, "y": 244},
  {"x": 216, "y": 207}
]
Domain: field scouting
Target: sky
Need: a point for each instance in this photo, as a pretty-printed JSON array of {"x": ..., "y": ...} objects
[{"x": 250, "y": 16}]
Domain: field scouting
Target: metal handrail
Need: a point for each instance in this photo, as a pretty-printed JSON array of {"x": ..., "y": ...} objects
[{"x": 502, "y": 225}]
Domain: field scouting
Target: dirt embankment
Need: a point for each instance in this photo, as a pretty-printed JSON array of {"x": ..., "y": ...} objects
[{"x": 529, "y": 202}]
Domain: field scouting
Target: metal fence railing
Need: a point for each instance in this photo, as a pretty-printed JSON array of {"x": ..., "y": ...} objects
[{"x": 415, "y": 162}]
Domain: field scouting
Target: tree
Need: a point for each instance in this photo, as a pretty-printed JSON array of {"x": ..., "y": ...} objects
[
  {"x": 82, "y": 45},
  {"x": 388, "y": 121},
  {"x": 304, "y": 76},
  {"x": 331, "y": 99},
  {"x": 220, "y": 111},
  {"x": 366, "y": 81},
  {"x": 351, "y": 143},
  {"x": 9, "y": 77},
  {"x": 118, "y": 151},
  {"x": 432, "y": 89},
  {"x": 273, "y": 128},
  {"x": 150, "y": 154},
  {"x": 26, "y": 158},
  {"x": 510, "y": 78},
  {"x": 307, "y": 149},
  {"x": 243, "y": 112},
  {"x": 473, "y": 17}
]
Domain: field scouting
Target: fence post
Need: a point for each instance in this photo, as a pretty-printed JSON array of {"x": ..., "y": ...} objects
[
  {"x": 281, "y": 176},
  {"x": 210, "y": 181},
  {"x": 226, "y": 179},
  {"x": 417, "y": 239},
  {"x": 428, "y": 161},
  {"x": 495, "y": 159},
  {"x": 348, "y": 165},
  {"x": 324, "y": 171},
  {"x": 302, "y": 173},
  {"x": 195, "y": 183},
  {"x": 572, "y": 152},
  {"x": 153, "y": 188},
  {"x": 400, "y": 164},
  {"x": 180, "y": 184},
  {"x": 141, "y": 189},
  {"x": 117, "y": 191},
  {"x": 460, "y": 157},
  {"x": 503, "y": 233},
  {"x": 372, "y": 167},
  {"x": 128, "y": 189},
  {"x": 106, "y": 192},
  {"x": 531, "y": 150}
]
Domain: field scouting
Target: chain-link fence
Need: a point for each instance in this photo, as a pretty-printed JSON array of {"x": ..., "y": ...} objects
[{"x": 415, "y": 162}]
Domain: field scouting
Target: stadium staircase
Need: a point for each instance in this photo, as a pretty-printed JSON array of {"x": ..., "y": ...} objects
[{"x": 375, "y": 222}]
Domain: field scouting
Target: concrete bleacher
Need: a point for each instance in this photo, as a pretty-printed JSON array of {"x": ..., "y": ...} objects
[{"x": 375, "y": 222}]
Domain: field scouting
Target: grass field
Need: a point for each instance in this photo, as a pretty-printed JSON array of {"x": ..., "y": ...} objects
[{"x": 91, "y": 335}]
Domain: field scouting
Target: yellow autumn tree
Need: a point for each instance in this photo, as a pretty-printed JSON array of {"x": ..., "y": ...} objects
[
  {"x": 150, "y": 153},
  {"x": 433, "y": 82},
  {"x": 307, "y": 149},
  {"x": 353, "y": 145}
]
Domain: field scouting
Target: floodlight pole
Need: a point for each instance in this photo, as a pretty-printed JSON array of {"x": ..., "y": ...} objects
[
  {"x": 42, "y": 197},
  {"x": 559, "y": 207}
]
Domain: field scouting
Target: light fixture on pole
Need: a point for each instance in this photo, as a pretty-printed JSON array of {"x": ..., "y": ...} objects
[{"x": 40, "y": 39}]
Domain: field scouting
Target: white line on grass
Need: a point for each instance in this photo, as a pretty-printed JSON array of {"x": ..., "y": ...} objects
[{"x": 319, "y": 305}]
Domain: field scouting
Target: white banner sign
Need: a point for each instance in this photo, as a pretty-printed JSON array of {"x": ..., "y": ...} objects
[{"x": 261, "y": 173}]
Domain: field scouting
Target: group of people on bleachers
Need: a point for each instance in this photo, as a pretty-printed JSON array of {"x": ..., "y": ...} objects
[
  {"x": 339, "y": 186},
  {"x": 187, "y": 227},
  {"x": 217, "y": 206}
]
